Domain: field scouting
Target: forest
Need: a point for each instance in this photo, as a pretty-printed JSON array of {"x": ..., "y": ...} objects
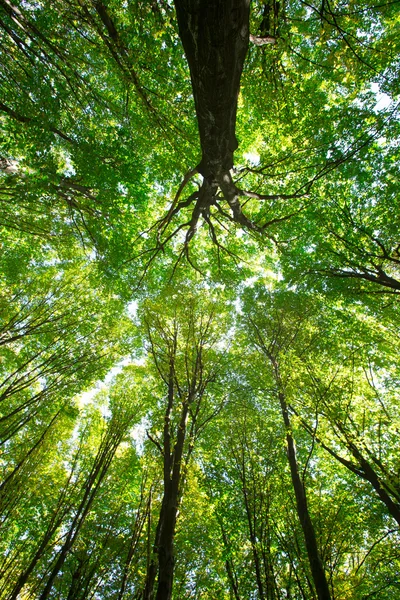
[{"x": 199, "y": 299}]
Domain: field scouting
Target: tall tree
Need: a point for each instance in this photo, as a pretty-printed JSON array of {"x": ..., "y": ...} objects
[{"x": 182, "y": 350}]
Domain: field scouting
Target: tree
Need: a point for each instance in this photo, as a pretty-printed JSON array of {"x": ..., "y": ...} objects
[
  {"x": 199, "y": 218},
  {"x": 186, "y": 363},
  {"x": 271, "y": 338}
]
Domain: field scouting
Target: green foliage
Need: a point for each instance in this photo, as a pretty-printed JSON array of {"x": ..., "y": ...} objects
[{"x": 105, "y": 306}]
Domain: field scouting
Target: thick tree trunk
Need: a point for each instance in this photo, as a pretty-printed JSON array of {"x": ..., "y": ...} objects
[
  {"x": 164, "y": 539},
  {"x": 166, "y": 559},
  {"x": 163, "y": 549},
  {"x": 215, "y": 37}
]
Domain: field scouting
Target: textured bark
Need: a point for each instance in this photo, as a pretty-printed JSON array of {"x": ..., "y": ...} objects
[
  {"x": 178, "y": 355},
  {"x": 163, "y": 549},
  {"x": 166, "y": 558},
  {"x": 215, "y": 37}
]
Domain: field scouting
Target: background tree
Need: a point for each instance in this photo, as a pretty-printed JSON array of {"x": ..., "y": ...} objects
[{"x": 182, "y": 347}]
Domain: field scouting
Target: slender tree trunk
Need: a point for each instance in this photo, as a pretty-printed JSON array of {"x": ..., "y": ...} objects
[
  {"x": 166, "y": 559},
  {"x": 270, "y": 580},
  {"x": 371, "y": 476},
  {"x": 100, "y": 468},
  {"x": 76, "y": 582},
  {"x": 22, "y": 580},
  {"x": 253, "y": 542},
  {"x": 363, "y": 469},
  {"x": 317, "y": 570},
  {"x": 38, "y": 443},
  {"x": 61, "y": 510},
  {"x": 137, "y": 530},
  {"x": 229, "y": 567}
]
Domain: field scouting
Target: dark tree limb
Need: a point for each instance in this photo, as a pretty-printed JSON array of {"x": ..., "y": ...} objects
[{"x": 215, "y": 37}]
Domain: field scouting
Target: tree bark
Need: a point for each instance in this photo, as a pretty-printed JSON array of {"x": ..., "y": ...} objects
[
  {"x": 369, "y": 473},
  {"x": 317, "y": 569},
  {"x": 171, "y": 501},
  {"x": 215, "y": 37}
]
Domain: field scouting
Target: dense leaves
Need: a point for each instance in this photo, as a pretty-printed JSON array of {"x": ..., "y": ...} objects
[{"x": 199, "y": 366}]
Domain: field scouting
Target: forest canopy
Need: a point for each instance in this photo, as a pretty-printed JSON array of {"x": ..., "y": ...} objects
[{"x": 199, "y": 299}]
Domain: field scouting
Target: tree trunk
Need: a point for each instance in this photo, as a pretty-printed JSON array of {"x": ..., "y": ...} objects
[
  {"x": 142, "y": 515},
  {"x": 215, "y": 37},
  {"x": 6, "y": 482},
  {"x": 362, "y": 468},
  {"x": 250, "y": 521},
  {"x": 370, "y": 475},
  {"x": 23, "y": 578},
  {"x": 317, "y": 569},
  {"x": 171, "y": 500},
  {"x": 166, "y": 559},
  {"x": 92, "y": 485},
  {"x": 229, "y": 567}
]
